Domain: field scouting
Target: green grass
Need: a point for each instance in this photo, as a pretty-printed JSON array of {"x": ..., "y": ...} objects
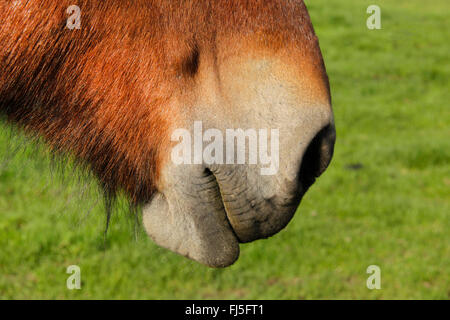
[{"x": 391, "y": 98}]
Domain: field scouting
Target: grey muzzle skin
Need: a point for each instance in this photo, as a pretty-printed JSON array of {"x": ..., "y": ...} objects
[{"x": 205, "y": 211}]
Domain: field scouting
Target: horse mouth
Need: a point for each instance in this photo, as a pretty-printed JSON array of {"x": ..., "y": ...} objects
[{"x": 204, "y": 213}]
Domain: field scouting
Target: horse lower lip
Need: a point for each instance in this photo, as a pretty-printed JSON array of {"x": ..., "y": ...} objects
[{"x": 200, "y": 232}]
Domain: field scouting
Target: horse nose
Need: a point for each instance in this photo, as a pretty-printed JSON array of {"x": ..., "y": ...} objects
[{"x": 317, "y": 156}]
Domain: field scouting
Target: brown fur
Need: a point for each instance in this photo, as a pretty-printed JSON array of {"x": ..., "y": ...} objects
[{"x": 105, "y": 92}]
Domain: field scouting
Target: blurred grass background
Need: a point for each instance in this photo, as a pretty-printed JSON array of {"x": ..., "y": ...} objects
[{"x": 384, "y": 200}]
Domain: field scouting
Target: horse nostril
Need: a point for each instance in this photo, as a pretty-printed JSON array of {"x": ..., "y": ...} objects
[{"x": 317, "y": 156}]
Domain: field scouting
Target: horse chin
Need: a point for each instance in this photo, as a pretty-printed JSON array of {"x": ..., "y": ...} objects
[{"x": 193, "y": 230}]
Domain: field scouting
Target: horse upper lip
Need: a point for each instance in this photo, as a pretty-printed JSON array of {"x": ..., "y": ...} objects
[{"x": 227, "y": 213}]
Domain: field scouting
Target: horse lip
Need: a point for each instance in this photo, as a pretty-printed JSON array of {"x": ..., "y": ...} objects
[
  {"x": 227, "y": 213},
  {"x": 254, "y": 226},
  {"x": 228, "y": 218}
]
